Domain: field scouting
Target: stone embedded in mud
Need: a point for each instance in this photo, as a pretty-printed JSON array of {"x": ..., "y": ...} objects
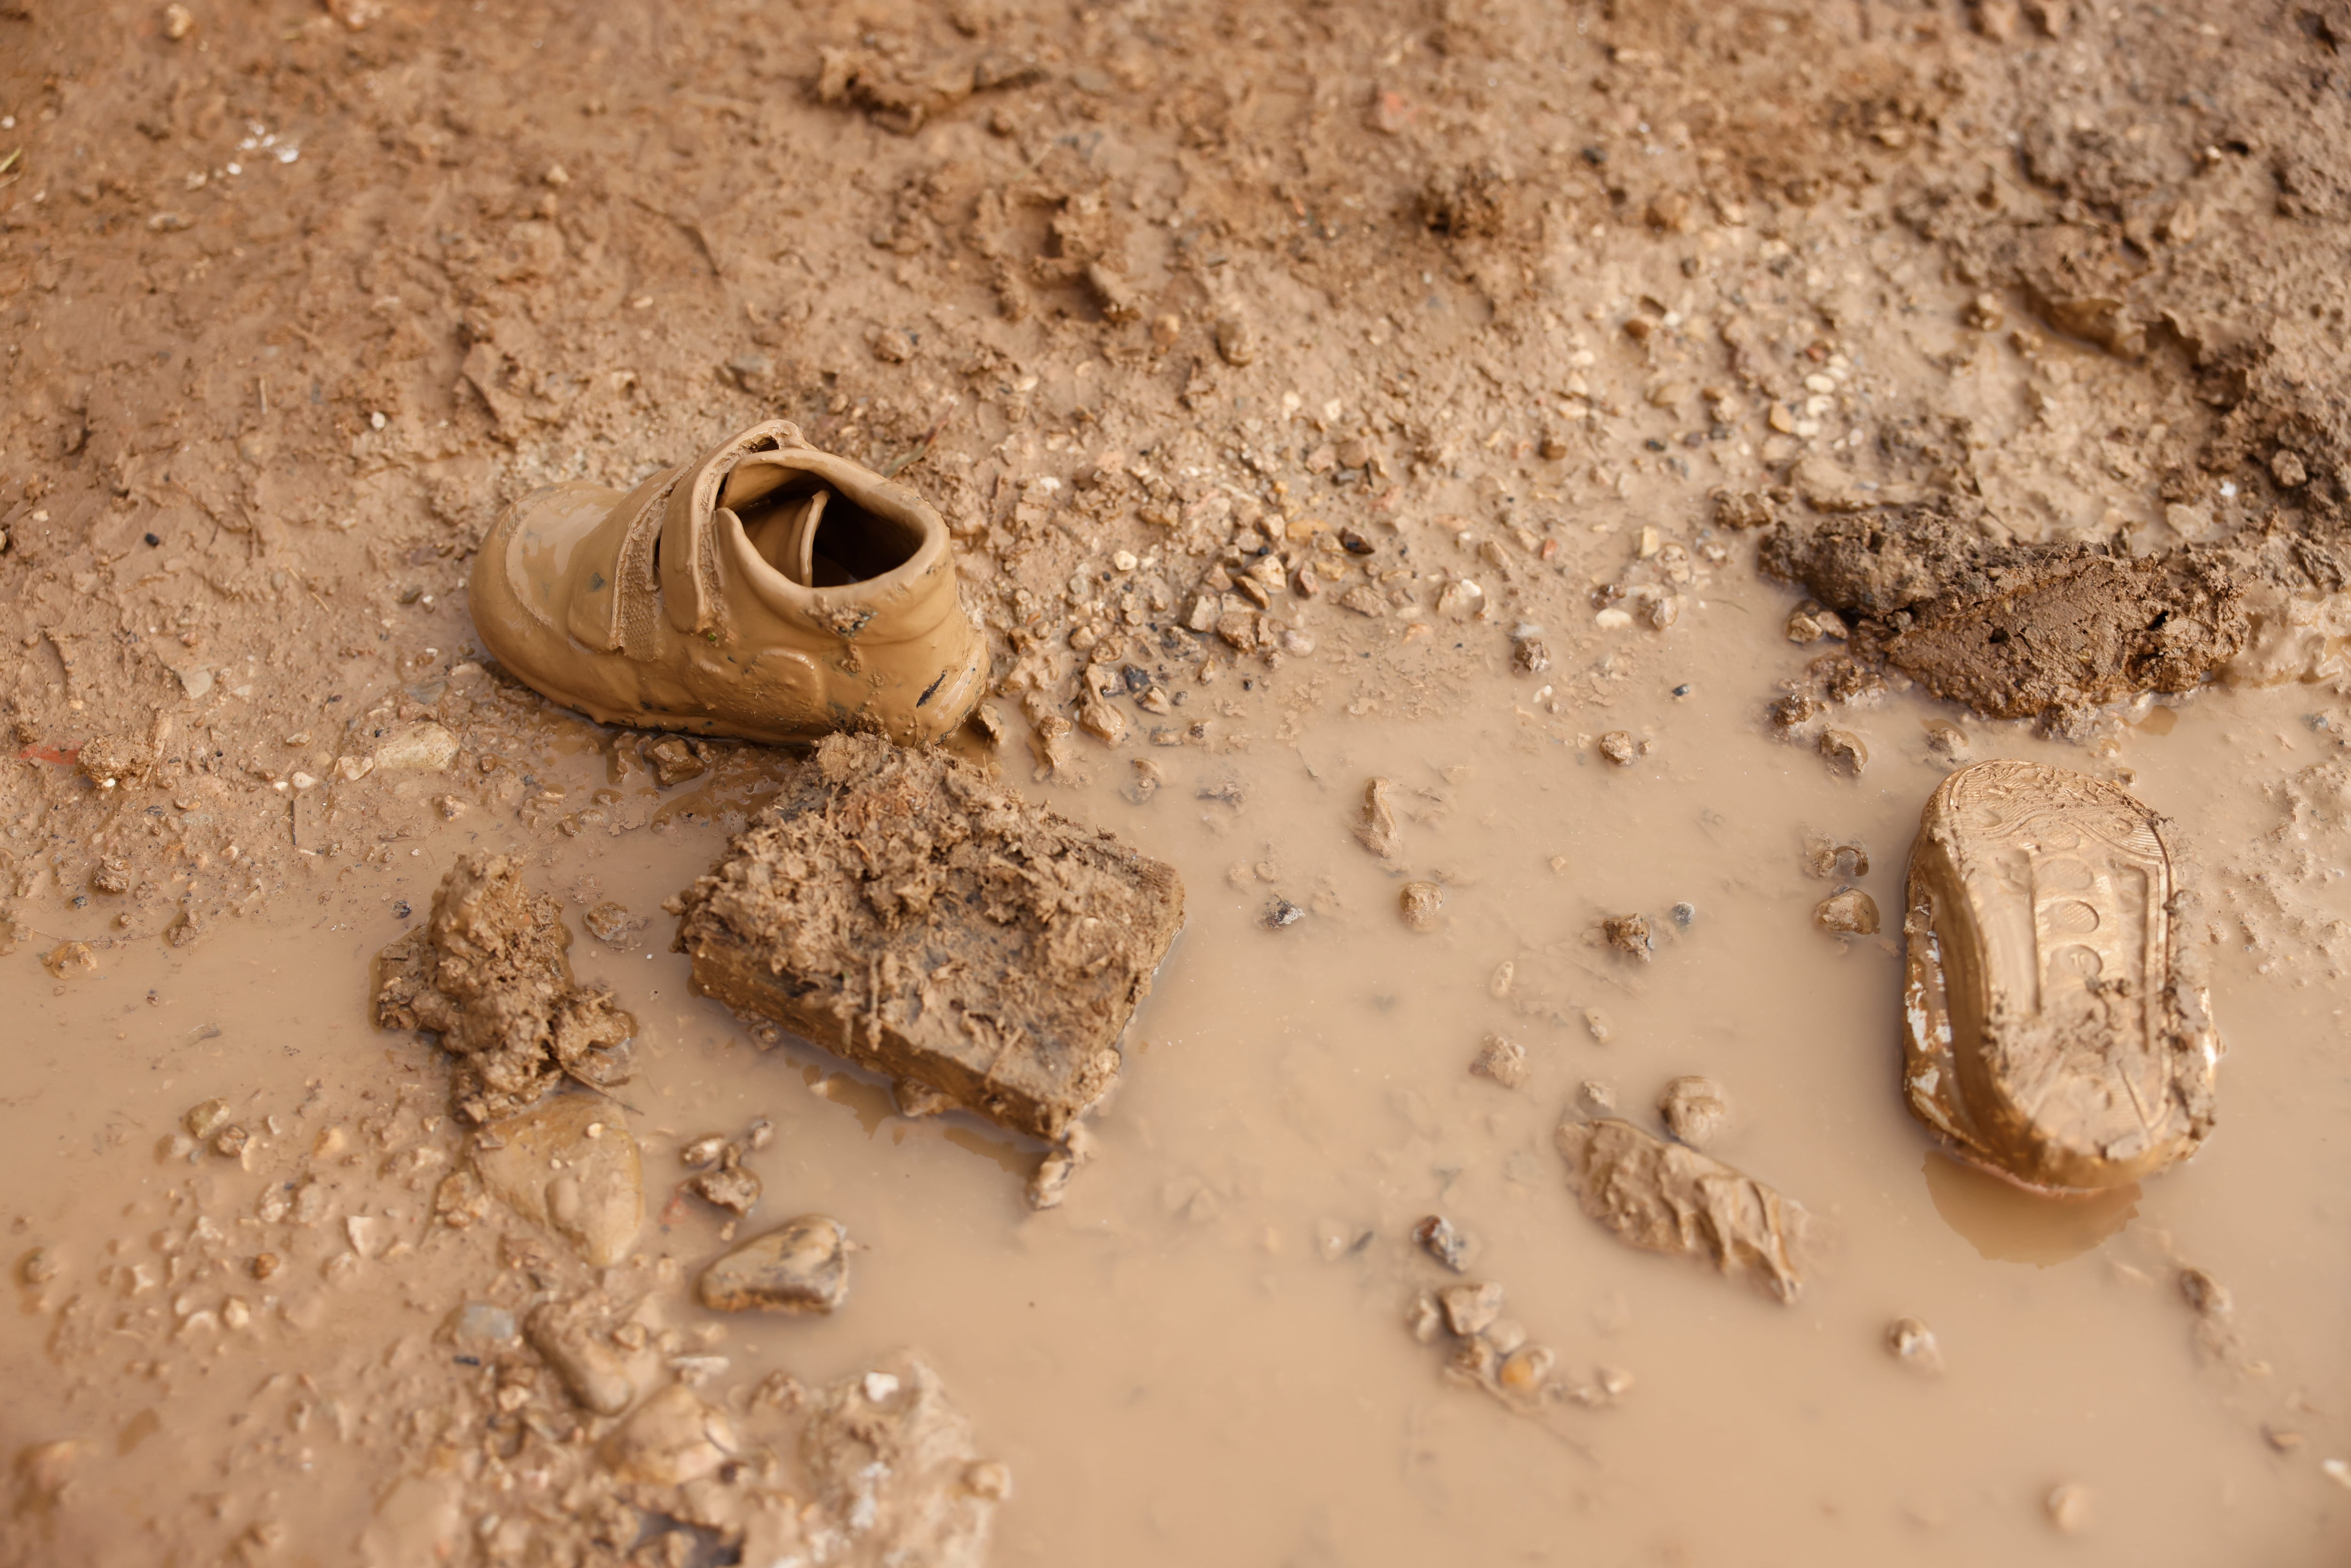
[
  {"x": 1664, "y": 1198},
  {"x": 70, "y": 958},
  {"x": 419, "y": 748},
  {"x": 575, "y": 1338},
  {"x": 727, "y": 1183},
  {"x": 487, "y": 974},
  {"x": 801, "y": 1267},
  {"x": 1629, "y": 934},
  {"x": 2068, "y": 1044},
  {"x": 2014, "y": 630},
  {"x": 1849, "y": 912},
  {"x": 673, "y": 1438},
  {"x": 1914, "y": 1345},
  {"x": 908, "y": 912},
  {"x": 1422, "y": 905},
  {"x": 569, "y": 1164},
  {"x": 1503, "y": 1060}
]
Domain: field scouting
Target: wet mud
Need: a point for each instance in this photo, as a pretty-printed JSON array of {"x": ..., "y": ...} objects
[{"x": 1515, "y": 511}]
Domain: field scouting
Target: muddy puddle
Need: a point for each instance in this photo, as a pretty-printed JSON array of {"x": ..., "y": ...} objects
[{"x": 1206, "y": 1345}]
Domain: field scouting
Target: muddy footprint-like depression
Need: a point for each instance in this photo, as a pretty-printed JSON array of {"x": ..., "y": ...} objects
[{"x": 927, "y": 784}]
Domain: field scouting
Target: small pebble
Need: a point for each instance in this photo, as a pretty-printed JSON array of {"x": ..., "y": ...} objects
[
  {"x": 1441, "y": 1241},
  {"x": 1469, "y": 1308},
  {"x": 1914, "y": 1345},
  {"x": 2069, "y": 1508},
  {"x": 1599, "y": 1025},
  {"x": 1849, "y": 913},
  {"x": 1422, "y": 904},
  {"x": 727, "y": 1184},
  {"x": 1282, "y": 913},
  {"x": 1503, "y": 1060},
  {"x": 203, "y": 1121},
  {"x": 1594, "y": 1098},
  {"x": 1619, "y": 747}
]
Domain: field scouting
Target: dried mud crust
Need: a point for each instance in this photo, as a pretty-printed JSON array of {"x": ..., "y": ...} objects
[
  {"x": 2015, "y": 631},
  {"x": 487, "y": 974},
  {"x": 908, "y": 912}
]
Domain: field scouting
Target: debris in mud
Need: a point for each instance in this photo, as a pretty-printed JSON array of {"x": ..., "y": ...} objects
[
  {"x": 1438, "y": 1238},
  {"x": 1663, "y": 1197},
  {"x": 1378, "y": 830},
  {"x": 894, "y": 1469},
  {"x": 611, "y": 924},
  {"x": 801, "y": 1267},
  {"x": 2013, "y": 630},
  {"x": 2070, "y": 1045},
  {"x": 1845, "y": 752},
  {"x": 674, "y": 760},
  {"x": 1629, "y": 934},
  {"x": 1848, "y": 911},
  {"x": 1828, "y": 860},
  {"x": 1619, "y": 747},
  {"x": 1281, "y": 913},
  {"x": 1503, "y": 1060},
  {"x": 908, "y": 912},
  {"x": 1488, "y": 1351},
  {"x": 1050, "y": 1182},
  {"x": 487, "y": 974},
  {"x": 1914, "y": 1345},
  {"x": 68, "y": 960},
  {"x": 569, "y": 1164},
  {"x": 1696, "y": 1111},
  {"x": 1422, "y": 905}
]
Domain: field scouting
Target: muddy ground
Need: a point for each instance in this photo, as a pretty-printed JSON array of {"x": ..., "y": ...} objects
[{"x": 1645, "y": 433}]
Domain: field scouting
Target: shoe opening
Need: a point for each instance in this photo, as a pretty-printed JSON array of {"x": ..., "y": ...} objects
[{"x": 819, "y": 538}]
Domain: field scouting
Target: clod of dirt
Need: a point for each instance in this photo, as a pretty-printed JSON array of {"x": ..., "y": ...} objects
[
  {"x": 674, "y": 760},
  {"x": 1466, "y": 202},
  {"x": 1845, "y": 752},
  {"x": 1696, "y": 1111},
  {"x": 802, "y": 1267},
  {"x": 611, "y": 924},
  {"x": 1422, "y": 905},
  {"x": 1529, "y": 654},
  {"x": 1849, "y": 912},
  {"x": 1378, "y": 830},
  {"x": 487, "y": 974},
  {"x": 1619, "y": 747},
  {"x": 1503, "y": 1060},
  {"x": 890, "y": 1457},
  {"x": 1663, "y": 1197},
  {"x": 1914, "y": 1345},
  {"x": 673, "y": 1438},
  {"x": 1829, "y": 860},
  {"x": 569, "y": 1164},
  {"x": 69, "y": 959},
  {"x": 1469, "y": 1308},
  {"x": 112, "y": 758},
  {"x": 727, "y": 1183},
  {"x": 1629, "y": 934},
  {"x": 907, "y": 911},
  {"x": 2059, "y": 1029},
  {"x": 2014, "y": 630}
]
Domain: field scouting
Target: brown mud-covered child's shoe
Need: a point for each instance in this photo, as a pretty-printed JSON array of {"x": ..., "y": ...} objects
[
  {"x": 766, "y": 590},
  {"x": 2058, "y": 1030}
]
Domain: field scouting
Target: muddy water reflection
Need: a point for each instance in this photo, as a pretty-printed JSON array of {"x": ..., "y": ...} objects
[{"x": 2007, "y": 1224}]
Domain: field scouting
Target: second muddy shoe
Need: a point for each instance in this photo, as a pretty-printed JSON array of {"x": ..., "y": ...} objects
[
  {"x": 764, "y": 591},
  {"x": 2058, "y": 1030}
]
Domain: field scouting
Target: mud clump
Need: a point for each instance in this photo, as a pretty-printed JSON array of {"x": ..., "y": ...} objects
[
  {"x": 487, "y": 974},
  {"x": 1664, "y": 1198},
  {"x": 909, "y": 912},
  {"x": 2059, "y": 1027},
  {"x": 2014, "y": 630}
]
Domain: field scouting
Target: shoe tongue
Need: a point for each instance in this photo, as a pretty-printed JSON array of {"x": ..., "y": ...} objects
[{"x": 750, "y": 480}]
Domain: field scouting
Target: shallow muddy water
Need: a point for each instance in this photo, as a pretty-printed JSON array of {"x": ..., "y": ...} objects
[{"x": 1203, "y": 1354}]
